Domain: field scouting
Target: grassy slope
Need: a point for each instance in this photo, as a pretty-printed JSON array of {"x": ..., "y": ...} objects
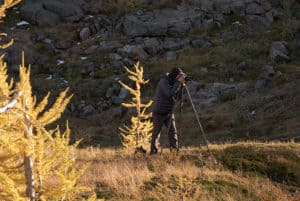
[
  {"x": 243, "y": 171},
  {"x": 230, "y": 120}
]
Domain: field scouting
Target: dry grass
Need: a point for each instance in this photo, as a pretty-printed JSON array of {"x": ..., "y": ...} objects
[{"x": 115, "y": 174}]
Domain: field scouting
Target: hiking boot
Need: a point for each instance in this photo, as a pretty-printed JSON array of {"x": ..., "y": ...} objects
[
  {"x": 174, "y": 150},
  {"x": 153, "y": 151}
]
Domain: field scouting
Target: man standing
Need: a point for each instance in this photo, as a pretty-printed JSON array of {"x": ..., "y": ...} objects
[{"x": 164, "y": 101}]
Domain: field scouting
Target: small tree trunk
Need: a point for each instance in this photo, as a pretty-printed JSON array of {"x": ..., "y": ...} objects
[
  {"x": 138, "y": 108},
  {"x": 28, "y": 160}
]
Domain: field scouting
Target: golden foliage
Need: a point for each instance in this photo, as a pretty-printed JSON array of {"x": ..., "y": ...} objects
[
  {"x": 23, "y": 134},
  {"x": 6, "y": 4},
  {"x": 139, "y": 133},
  {"x": 178, "y": 188}
]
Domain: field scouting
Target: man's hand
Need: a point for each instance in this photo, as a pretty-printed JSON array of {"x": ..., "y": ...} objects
[{"x": 181, "y": 78}]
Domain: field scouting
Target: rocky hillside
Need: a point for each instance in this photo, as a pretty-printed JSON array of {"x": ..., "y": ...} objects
[{"x": 243, "y": 56}]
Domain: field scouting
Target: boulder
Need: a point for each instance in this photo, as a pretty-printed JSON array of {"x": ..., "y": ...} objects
[
  {"x": 134, "y": 27},
  {"x": 92, "y": 49},
  {"x": 152, "y": 46},
  {"x": 118, "y": 112},
  {"x": 196, "y": 43},
  {"x": 160, "y": 22},
  {"x": 254, "y": 9},
  {"x": 123, "y": 93},
  {"x": 279, "y": 52},
  {"x": 46, "y": 18},
  {"x": 50, "y": 13},
  {"x": 237, "y": 7},
  {"x": 87, "y": 111},
  {"x": 171, "y": 44},
  {"x": 135, "y": 52},
  {"x": 109, "y": 46},
  {"x": 63, "y": 45},
  {"x": 114, "y": 56},
  {"x": 210, "y": 94},
  {"x": 138, "y": 53},
  {"x": 13, "y": 54},
  {"x": 259, "y": 23},
  {"x": 68, "y": 11},
  {"x": 259, "y": 84},
  {"x": 85, "y": 33},
  {"x": 178, "y": 28},
  {"x": 268, "y": 71},
  {"x": 171, "y": 56}
]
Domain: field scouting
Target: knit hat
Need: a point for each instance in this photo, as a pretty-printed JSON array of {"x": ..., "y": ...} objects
[{"x": 174, "y": 73}]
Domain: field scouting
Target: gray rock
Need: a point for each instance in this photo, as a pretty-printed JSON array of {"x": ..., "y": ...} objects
[
  {"x": 114, "y": 56},
  {"x": 68, "y": 11},
  {"x": 254, "y": 9},
  {"x": 138, "y": 53},
  {"x": 207, "y": 42},
  {"x": 268, "y": 71},
  {"x": 152, "y": 46},
  {"x": 85, "y": 33},
  {"x": 259, "y": 23},
  {"x": 196, "y": 43},
  {"x": 113, "y": 90},
  {"x": 160, "y": 22},
  {"x": 63, "y": 45},
  {"x": 237, "y": 7},
  {"x": 209, "y": 24},
  {"x": 171, "y": 56},
  {"x": 46, "y": 18},
  {"x": 116, "y": 64},
  {"x": 204, "y": 70},
  {"x": 109, "y": 46},
  {"x": 41, "y": 36},
  {"x": 128, "y": 62},
  {"x": 178, "y": 28},
  {"x": 259, "y": 84},
  {"x": 116, "y": 100},
  {"x": 109, "y": 93},
  {"x": 51, "y": 13},
  {"x": 123, "y": 93},
  {"x": 119, "y": 112},
  {"x": 87, "y": 111},
  {"x": 14, "y": 52},
  {"x": 103, "y": 105},
  {"x": 201, "y": 42},
  {"x": 92, "y": 49},
  {"x": 171, "y": 44},
  {"x": 242, "y": 66},
  {"x": 135, "y": 52},
  {"x": 210, "y": 94},
  {"x": 279, "y": 52}
]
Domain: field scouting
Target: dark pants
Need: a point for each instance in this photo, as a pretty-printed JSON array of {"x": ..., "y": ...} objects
[{"x": 160, "y": 120}]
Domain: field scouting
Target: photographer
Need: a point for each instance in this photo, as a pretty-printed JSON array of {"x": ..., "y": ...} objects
[{"x": 164, "y": 101}]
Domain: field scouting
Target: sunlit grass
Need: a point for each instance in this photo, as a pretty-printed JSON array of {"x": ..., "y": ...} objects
[{"x": 118, "y": 174}]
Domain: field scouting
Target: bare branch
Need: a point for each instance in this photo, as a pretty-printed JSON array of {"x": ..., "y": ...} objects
[{"x": 12, "y": 102}]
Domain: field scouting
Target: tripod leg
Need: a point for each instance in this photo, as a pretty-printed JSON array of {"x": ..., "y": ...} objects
[
  {"x": 180, "y": 116},
  {"x": 197, "y": 117}
]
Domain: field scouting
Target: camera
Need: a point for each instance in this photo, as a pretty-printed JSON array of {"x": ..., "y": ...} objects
[{"x": 188, "y": 78}]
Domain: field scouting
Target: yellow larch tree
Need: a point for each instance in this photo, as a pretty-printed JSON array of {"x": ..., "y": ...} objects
[
  {"x": 139, "y": 132},
  {"x": 36, "y": 164},
  {"x": 6, "y": 4}
]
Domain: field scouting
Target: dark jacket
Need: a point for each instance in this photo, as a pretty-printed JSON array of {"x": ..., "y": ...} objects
[{"x": 165, "y": 95}]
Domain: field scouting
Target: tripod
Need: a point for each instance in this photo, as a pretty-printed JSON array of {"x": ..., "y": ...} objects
[{"x": 180, "y": 115}]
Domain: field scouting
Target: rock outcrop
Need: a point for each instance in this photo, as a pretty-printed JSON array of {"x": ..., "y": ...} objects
[{"x": 50, "y": 13}]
